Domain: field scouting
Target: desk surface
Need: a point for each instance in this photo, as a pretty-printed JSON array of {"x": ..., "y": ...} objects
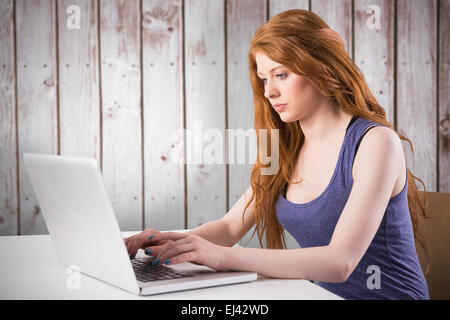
[{"x": 30, "y": 269}]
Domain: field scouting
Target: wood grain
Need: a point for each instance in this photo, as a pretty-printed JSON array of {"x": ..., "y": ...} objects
[
  {"x": 444, "y": 96},
  {"x": 205, "y": 109},
  {"x": 416, "y": 86},
  {"x": 163, "y": 114},
  {"x": 121, "y": 109},
  {"x": 374, "y": 50},
  {"x": 79, "y": 94},
  {"x": 36, "y": 98},
  {"x": 8, "y": 147},
  {"x": 277, "y": 6}
]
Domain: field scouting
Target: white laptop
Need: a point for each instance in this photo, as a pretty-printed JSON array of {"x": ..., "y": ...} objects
[{"x": 85, "y": 233}]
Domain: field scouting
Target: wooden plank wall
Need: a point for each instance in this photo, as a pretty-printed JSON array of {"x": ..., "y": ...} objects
[
  {"x": 37, "y": 109},
  {"x": 443, "y": 96},
  {"x": 416, "y": 70},
  {"x": 205, "y": 106},
  {"x": 9, "y": 223},
  {"x": 120, "y": 47},
  {"x": 119, "y": 80},
  {"x": 162, "y": 66}
]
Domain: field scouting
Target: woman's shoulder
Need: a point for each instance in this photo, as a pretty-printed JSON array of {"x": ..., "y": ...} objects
[
  {"x": 370, "y": 134},
  {"x": 382, "y": 136},
  {"x": 380, "y": 144}
]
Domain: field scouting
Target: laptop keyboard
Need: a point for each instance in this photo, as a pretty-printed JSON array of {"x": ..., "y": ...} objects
[{"x": 145, "y": 272}]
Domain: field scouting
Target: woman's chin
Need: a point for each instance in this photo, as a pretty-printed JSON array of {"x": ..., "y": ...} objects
[{"x": 285, "y": 117}]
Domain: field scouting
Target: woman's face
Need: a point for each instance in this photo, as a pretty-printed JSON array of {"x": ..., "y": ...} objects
[{"x": 282, "y": 86}]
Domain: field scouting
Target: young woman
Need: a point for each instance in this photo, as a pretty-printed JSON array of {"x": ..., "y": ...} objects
[{"x": 342, "y": 190}]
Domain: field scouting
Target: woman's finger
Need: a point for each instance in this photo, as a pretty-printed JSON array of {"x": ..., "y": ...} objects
[
  {"x": 140, "y": 240},
  {"x": 158, "y": 249},
  {"x": 170, "y": 236},
  {"x": 149, "y": 231},
  {"x": 184, "y": 257},
  {"x": 150, "y": 245},
  {"x": 133, "y": 248},
  {"x": 176, "y": 250},
  {"x": 148, "y": 239},
  {"x": 172, "y": 245},
  {"x": 155, "y": 249},
  {"x": 128, "y": 245}
]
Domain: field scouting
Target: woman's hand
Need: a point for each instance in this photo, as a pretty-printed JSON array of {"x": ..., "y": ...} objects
[
  {"x": 186, "y": 247},
  {"x": 142, "y": 241}
]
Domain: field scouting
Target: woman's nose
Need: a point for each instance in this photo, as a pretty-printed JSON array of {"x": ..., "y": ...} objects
[{"x": 270, "y": 91}]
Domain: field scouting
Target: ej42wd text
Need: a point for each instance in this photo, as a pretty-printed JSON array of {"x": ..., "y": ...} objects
[{"x": 230, "y": 310}]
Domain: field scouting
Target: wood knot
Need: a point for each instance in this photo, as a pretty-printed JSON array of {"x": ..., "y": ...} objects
[
  {"x": 49, "y": 82},
  {"x": 444, "y": 127}
]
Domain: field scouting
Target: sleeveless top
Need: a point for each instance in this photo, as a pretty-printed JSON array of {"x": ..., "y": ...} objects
[{"x": 390, "y": 268}]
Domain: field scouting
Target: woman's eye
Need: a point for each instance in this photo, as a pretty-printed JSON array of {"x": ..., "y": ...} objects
[{"x": 280, "y": 75}]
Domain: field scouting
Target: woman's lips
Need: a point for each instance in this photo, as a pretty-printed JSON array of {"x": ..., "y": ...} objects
[{"x": 280, "y": 107}]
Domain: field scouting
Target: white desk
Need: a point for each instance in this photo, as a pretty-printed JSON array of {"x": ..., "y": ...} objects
[{"x": 29, "y": 269}]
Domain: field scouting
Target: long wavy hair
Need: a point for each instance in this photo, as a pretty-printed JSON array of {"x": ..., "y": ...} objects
[{"x": 301, "y": 41}]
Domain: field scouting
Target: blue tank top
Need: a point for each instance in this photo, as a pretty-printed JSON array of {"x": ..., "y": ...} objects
[{"x": 391, "y": 257}]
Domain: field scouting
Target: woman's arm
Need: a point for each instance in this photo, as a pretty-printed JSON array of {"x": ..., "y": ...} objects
[
  {"x": 228, "y": 230},
  {"x": 216, "y": 231},
  {"x": 315, "y": 263}
]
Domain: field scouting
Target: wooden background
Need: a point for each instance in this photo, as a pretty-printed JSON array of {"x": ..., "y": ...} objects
[{"x": 135, "y": 71}]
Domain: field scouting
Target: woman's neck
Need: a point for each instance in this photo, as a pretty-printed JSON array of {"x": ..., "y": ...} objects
[{"x": 324, "y": 126}]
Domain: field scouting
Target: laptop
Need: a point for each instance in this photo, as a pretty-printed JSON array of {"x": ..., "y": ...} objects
[{"x": 85, "y": 233}]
